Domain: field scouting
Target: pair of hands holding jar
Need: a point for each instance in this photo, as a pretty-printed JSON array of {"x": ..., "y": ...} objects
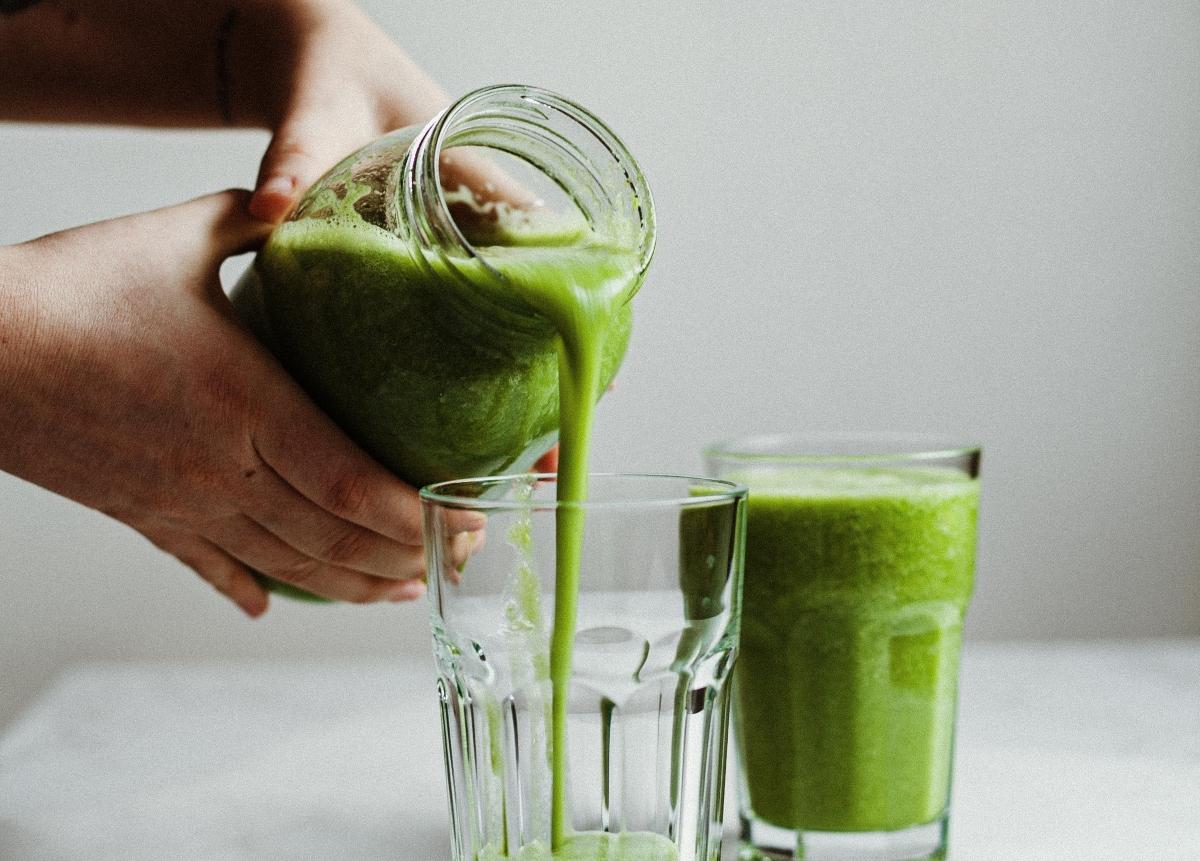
[{"x": 126, "y": 382}]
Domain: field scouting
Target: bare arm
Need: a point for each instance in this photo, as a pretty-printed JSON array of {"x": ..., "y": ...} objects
[
  {"x": 128, "y": 385},
  {"x": 145, "y": 62},
  {"x": 317, "y": 73}
]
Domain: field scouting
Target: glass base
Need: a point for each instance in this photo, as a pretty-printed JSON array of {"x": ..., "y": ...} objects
[{"x": 761, "y": 841}]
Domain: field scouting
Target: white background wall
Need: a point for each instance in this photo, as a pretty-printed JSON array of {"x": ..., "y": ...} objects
[{"x": 978, "y": 217}]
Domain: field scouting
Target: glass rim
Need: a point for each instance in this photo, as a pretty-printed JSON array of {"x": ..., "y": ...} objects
[
  {"x": 723, "y": 491},
  {"x": 858, "y": 446}
]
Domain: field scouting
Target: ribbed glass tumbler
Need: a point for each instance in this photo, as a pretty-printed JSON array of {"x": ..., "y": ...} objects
[{"x": 584, "y": 708}]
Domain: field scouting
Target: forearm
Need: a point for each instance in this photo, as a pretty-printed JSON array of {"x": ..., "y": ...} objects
[
  {"x": 18, "y": 330},
  {"x": 143, "y": 62}
]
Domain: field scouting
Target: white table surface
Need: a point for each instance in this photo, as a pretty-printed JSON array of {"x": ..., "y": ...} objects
[{"x": 1076, "y": 751}]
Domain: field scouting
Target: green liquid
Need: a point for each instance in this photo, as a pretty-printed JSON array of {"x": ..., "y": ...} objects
[
  {"x": 855, "y": 590},
  {"x": 583, "y": 301},
  {"x": 630, "y": 846},
  {"x": 444, "y": 371},
  {"x": 438, "y": 372}
]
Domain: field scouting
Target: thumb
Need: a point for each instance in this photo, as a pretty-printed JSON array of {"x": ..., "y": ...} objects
[
  {"x": 298, "y": 156},
  {"x": 221, "y": 217}
]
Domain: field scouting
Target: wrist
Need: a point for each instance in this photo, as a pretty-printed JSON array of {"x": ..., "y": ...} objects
[
  {"x": 17, "y": 316},
  {"x": 18, "y": 329},
  {"x": 256, "y": 46}
]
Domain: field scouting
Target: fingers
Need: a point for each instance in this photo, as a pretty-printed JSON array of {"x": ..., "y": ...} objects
[
  {"x": 317, "y": 533},
  {"x": 487, "y": 181},
  {"x": 312, "y": 455},
  {"x": 547, "y": 462},
  {"x": 255, "y": 546},
  {"x": 316, "y": 137},
  {"x": 456, "y": 552},
  {"x": 221, "y": 217},
  {"x": 220, "y": 570},
  {"x": 197, "y": 234},
  {"x": 300, "y": 153}
]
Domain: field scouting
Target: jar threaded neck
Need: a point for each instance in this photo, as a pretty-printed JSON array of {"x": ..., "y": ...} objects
[{"x": 562, "y": 140}]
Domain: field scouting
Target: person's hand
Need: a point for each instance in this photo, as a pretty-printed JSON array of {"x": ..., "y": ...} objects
[
  {"x": 318, "y": 74},
  {"x": 326, "y": 80},
  {"x": 129, "y": 386}
]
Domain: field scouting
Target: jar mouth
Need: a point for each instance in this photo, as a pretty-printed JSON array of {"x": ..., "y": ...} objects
[{"x": 559, "y": 138}]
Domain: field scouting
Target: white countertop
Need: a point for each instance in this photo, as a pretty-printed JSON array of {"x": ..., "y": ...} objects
[{"x": 1088, "y": 751}]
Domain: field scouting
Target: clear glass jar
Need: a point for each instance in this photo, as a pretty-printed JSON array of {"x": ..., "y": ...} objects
[{"x": 392, "y": 293}]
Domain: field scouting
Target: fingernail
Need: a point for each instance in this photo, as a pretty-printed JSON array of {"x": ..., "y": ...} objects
[
  {"x": 461, "y": 547},
  {"x": 278, "y": 185},
  {"x": 468, "y": 521},
  {"x": 410, "y": 590}
]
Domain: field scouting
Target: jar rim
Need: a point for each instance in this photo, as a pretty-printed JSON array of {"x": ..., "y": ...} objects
[{"x": 523, "y": 108}]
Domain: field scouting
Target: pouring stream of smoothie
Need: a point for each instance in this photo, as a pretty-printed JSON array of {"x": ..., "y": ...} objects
[
  {"x": 582, "y": 306},
  {"x": 581, "y": 290}
]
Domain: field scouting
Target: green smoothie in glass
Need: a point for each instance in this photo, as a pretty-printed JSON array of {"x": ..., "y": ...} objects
[{"x": 859, "y": 569}]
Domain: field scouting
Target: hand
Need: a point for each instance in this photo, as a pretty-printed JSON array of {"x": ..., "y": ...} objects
[
  {"x": 317, "y": 73},
  {"x": 128, "y": 385},
  {"x": 547, "y": 462},
  {"x": 326, "y": 80}
]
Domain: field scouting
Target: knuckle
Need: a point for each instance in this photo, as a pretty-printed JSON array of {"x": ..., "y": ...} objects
[
  {"x": 233, "y": 200},
  {"x": 299, "y": 572},
  {"x": 408, "y": 531},
  {"x": 192, "y": 464},
  {"x": 367, "y": 594},
  {"x": 219, "y": 577},
  {"x": 349, "y": 495},
  {"x": 191, "y": 489},
  {"x": 291, "y": 147},
  {"x": 349, "y": 548},
  {"x": 223, "y": 387}
]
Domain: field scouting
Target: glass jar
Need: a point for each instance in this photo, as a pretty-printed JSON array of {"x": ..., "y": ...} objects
[{"x": 393, "y": 293}]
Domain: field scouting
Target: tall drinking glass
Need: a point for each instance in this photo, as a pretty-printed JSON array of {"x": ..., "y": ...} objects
[
  {"x": 658, "y": 597},
  {"x": 860, "y": 561}
]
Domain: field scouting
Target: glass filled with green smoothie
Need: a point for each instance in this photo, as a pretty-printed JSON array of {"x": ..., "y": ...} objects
[
  {"x": 584, "y": 709},
  {"x": 860, "y": 563}
]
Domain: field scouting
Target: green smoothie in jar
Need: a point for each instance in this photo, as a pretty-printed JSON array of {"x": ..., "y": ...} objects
[{"x": 435, "y": 340}]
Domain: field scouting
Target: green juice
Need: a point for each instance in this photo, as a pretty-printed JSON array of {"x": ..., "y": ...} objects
[
  {"x": 438, "y": 369},
  {"x": 450, "y": 369},
  {"x": 856, "y": 585},
  {"x": 631, "y": 846},
  {"x": 583, "y": 301}
]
